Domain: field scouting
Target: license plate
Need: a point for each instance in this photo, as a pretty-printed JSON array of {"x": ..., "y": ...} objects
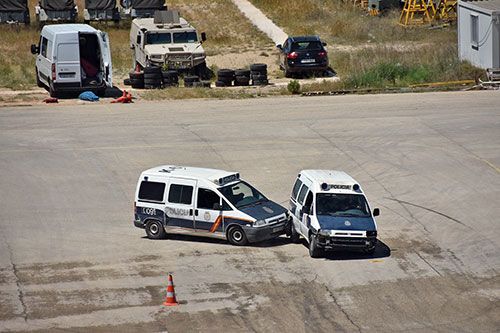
[
  {"x": 277, "y": 229},
  {"x": 307, "y": 61}
]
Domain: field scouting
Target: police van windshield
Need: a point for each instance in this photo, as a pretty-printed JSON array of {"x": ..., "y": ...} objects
[
  {"x": 158, "y": 38},
  {"x": 242, "y": 194},
  {"x": 185, "y": 37},
  {"x": 347, "y": 205}
]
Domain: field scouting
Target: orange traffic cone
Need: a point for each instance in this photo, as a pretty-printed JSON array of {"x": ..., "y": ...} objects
[{"x": 171, "y": 300}]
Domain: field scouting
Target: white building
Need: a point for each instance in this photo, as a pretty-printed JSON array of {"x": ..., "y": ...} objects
[{"x": 479, "y": 32}]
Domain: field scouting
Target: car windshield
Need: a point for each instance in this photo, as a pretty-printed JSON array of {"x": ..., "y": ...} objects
[
  {"x": 158, "y": 38},
  {"x": 242, "y": 194},
  {"x": 352, "y": 205},
  {"x": 185, "y": 37},
  {"x": 307, "y": 46}
]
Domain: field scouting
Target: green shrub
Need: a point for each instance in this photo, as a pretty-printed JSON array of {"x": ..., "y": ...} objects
[{"x": 294, "y": 87}]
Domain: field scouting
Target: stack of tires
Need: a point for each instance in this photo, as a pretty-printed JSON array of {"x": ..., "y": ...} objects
[
  {"x": 170, "y": 78},
  {"x": 153, "y": 77},
  {"x": 136, "y": 79},
  {"x": 258, "y": 73},
  {"x": 190, "y": 80},
  {"x": 225, "y": 78},
  {"x": 242, "y": 77}
]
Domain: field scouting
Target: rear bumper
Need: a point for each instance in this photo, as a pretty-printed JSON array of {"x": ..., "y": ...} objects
[
  {"x": 348, "y": 243},
  {"x": 259, "y": 234},
  {"x": 77, "y": 88},
  {"x": 300, "y": 68}
]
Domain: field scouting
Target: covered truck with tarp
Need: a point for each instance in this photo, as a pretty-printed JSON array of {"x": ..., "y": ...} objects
[
  {"x": 142, "y": 8},
  {"x": 101, "y": 10},
  {"x": 56, "y": 10},
  {"x": 14, "y": 11}
]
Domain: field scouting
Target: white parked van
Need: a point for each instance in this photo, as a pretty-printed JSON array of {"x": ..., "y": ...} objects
[
  {"x": 330, "y": 211},
  {"x": 73, "y": 58},
  {"x": 205, "y": 202}
]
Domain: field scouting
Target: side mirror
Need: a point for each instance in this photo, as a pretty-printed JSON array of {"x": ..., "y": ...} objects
[
  {"x": 203, "y": 36},
  {"x": 376, "y": 212},
  {"x": 323, "y": 43},
  {"x": 217, "y": 206},
  {"x": 34, "y": 49},
  {"x": 279, "y": 46}
]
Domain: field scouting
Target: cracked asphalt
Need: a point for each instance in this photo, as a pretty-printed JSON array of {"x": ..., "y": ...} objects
[{"x": 71, "y": 259}]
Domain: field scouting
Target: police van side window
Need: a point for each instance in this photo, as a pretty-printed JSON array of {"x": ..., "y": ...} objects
[
  {"x": 296, "y": 188},
  {"x": 181, "y": 194},
  {"x": 151, "y": 191},
  {"x": 207, "y": 199},
  {"x": 302, "y": 194}
]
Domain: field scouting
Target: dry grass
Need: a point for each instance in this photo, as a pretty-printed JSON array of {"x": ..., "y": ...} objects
[{"x": 220, "y": 93}]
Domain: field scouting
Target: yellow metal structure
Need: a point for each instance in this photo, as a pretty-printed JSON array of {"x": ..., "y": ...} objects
[
  {"x": 417, "y": 12},
  {"x": 447, "y": 10}
]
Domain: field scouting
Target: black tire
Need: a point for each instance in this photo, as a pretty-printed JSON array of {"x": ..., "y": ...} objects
[
  {"x": 260, "y": 82},
  {"x": 52, "y": 92},
  {"x": 314, "y": 250},
  {"x": 287, "y": 73},
  {"x": 242, "y": 72},
  {"x": 152, "y": 70},
  {"x": 294, "y": 235},
  {"x": 258, "y": 67},
  {"x": 137, "y": 83},
  {"x": 127, "y": 82},
  {"x": 170, "y": 77},
  {"x": 155, "y": 230},
  {"x": 258, "y": 77},
  {"x": 152, "y": 86},
  {"x": 220, "y": 84},
  {"x": 136, "y": 75},
  {"x": 191, "y": 78},
  {"x": 152, "y": 82},
  {"x": 153, "y": 76},
  {"x": 229, "y": 73},
  {"x": 203, "y": 72},
  {"x": 236, "y": 236}
]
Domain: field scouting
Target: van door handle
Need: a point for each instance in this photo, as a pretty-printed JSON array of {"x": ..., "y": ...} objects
[
  {"x": 190, "y": 212},
  {"x": 196, "y": 212}
]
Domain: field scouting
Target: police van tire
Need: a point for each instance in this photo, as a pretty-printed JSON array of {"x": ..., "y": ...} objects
[
  {"x": 294, "y": 235},
  {"x": 155, "y": 230},
  {"x": 236, "y": 236},
  {"x": 314, "y": 250}
]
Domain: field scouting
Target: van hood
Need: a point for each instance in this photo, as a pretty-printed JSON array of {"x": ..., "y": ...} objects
[
  {"x": 263, "y": 210},
  {"x": 346, "y": 223}
]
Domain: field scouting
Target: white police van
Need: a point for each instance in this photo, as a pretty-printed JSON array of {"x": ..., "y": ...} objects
[
  {"x": 205, "y": 202},
  {"x": 330, "y": 211}
]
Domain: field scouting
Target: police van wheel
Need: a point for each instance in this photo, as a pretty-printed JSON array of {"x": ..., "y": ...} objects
[
  {"x": 236, "y": 236},
  {"x": 294, "y": 235},
  {"x": 155, "y": 230},
  {"x": 314, "y": 250}
]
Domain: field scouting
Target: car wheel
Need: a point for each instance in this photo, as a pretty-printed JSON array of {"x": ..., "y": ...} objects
[
  {"x": 314, "y": 250},
  {"x": 236, "y": 236},
  {"x": 287, "y": 73},
  {"x": 155, "y": 230},
  {"x": 38, "y": 82},
  {"x": 52, "y": 92},
  {"x": 294, "y": 235}
]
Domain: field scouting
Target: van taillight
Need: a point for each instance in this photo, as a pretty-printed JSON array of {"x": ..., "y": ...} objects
[{"x": 53, "y": 72}]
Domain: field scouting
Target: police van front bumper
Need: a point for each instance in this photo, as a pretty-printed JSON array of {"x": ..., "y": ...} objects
[
  {"x": 330, "y": 243},
  {"x": 259, "y": 234},
  {"x": 139, "y": 224}
]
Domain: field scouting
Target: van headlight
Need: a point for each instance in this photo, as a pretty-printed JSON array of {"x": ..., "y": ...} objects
[
  {"x": 198, "y": 55},
  {"x": 259, "y": 223},
  {"x": 325, "y": 232},
  {"x": 157, "y": 57}
]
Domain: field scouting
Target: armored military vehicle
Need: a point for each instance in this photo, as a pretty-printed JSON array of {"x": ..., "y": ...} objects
[{"x": 170, "y": 42}]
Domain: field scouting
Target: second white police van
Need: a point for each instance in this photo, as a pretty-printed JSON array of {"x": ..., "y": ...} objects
[
  {"x": 205, "y": 202},
  {"x": 330, "y": 211}
]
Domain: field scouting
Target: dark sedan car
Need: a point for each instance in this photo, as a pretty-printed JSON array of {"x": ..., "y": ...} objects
[{"x": 304, "y": 54}]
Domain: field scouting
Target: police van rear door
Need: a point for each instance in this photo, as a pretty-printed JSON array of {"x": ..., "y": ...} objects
[{"x": 151, "y": 199}]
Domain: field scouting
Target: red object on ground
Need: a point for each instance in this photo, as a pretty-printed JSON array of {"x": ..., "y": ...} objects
[
  {"x": 51, "y": 100},
  {"x": 126, "y": 98},
  {"x": 170, "y": 300}
]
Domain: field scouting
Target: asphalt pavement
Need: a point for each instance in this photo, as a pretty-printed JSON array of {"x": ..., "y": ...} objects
[{"x": 71, "y": 259}]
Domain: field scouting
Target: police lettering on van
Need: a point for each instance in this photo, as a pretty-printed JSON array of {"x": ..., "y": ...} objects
[
  {"x": 205, "y": 202},
  {"x": 330, "y": 211}
]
